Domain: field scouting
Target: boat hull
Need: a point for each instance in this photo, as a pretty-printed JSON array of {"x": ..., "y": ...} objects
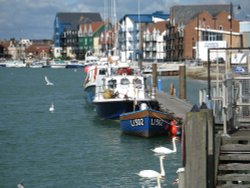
[
  {"x": 90, "y": 93},
  {"x": 74, "y": 66},
  {"x": 113, "y": 109},
  {"x": 145, "y": 123}
]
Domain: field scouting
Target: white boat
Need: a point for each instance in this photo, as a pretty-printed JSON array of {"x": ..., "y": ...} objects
[
  {"x": 58, "y": 64},
  {"x": 15, "y": 64},
  {"x": 122, "y": 92},
  {"x": 74, "y": 64},
  {"x": 94, "y": 73}
]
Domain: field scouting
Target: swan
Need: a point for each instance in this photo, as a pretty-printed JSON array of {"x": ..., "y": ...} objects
[
  {"x": 47, "y": 81},
  {"x": 164, "y": 150},
  {"x": 52, "y": 108},
  {"x": 20, "y": 185},
  {"x": 152, "y": 173},
  {"x": 158, "y": 182}
]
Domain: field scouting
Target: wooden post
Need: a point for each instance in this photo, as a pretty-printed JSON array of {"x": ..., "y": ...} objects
[
  {"x": 210, "y": 149},
  {"x": 182, "y": 82},
  {"x": 199, "y": 150},
  {"x": 154, "y": 71}
]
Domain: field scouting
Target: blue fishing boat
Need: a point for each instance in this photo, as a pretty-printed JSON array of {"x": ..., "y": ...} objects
[{"x": 146, "y": 123}]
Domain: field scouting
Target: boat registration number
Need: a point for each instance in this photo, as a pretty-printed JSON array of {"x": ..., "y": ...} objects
[
  {"x": 137, "y": 122},
  {"x": 157, "y": 122}
]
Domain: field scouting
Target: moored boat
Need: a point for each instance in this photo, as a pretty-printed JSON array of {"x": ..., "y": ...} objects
[
  {"x": 94, "y": 73},
  {"x": 121, "y": 93},
  {"x": 74, "y": 64},
  {"x": 146, "y": 123}
]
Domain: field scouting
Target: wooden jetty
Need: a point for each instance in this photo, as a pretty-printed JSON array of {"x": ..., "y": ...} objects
[
  {"x": 170, "y": 103},
  {"x": 216, "y": 141}
]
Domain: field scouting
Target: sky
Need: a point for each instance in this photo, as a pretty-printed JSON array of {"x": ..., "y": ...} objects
[{"x": 33, "y": 19}]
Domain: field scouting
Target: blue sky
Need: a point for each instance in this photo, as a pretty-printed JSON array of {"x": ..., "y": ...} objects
[{"x": 33, "y": 19}]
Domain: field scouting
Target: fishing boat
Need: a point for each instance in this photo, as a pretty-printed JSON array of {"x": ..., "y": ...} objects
[
  {"x": 121, "y": 92},
  {"x": 93, "y": 73},
  {"x": 146, "y": 122}
]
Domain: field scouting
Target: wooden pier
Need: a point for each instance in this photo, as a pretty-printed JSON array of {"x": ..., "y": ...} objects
[
  {"x": 178, "y": 106},
  {"x": 216, "y": 141},
  {"x": 173, "y": 105}
]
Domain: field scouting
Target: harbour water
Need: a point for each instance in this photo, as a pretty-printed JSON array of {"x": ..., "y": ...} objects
[{"x": 70, "y": 147}]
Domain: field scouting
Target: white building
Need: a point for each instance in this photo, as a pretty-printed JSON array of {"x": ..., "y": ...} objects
[{"x": 131, "y": 34}]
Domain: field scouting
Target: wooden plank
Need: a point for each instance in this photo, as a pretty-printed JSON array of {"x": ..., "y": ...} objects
[
  {"x": 235, "y": 148},
  {"x": 217, "y": 153},
  {"x": 234, "y": 166},
  {"x": 235, "y": 157},
  {"x": 233, "y": 186},
  {"x": 173, "y": 104},
  {"x": 234, "y": 177}
]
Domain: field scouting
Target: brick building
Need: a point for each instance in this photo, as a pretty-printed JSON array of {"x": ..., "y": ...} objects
[{"x": 195, "y": 28}]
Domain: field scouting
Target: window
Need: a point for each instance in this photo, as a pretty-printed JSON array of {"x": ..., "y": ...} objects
[
  {"x": 211, "y": 36},
  {"x": 112, "y": 84},
  {"x": 220, "y": 27}
]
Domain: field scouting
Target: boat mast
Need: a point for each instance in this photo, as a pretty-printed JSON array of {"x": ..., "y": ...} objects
[{"x": 115, "y": 31}]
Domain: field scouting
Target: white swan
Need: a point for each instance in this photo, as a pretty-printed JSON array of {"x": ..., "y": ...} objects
[
  {"x": 20, "y": 185},
  {"x": 164, "y": 150},
  {"x": 152, "y": 173},
  {"x": 158, "y": 182},
  {"x": 52, "y": 108},
  {"x": 47, "y": 81}
]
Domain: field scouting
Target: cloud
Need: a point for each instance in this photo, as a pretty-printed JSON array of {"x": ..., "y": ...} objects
[{"x": 34, "y": 19}]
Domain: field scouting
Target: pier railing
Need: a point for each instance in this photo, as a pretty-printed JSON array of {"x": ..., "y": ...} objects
[{"x": 229, "y": 94}]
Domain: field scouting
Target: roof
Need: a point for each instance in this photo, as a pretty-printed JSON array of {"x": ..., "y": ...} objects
[
  {"x": 183, "y": 13},
  {"x": 161, "y": 26},
  {"x": 94, "y": 25},
  {"x": 146, "y": 18},
  {"x": 74, "y": 18}
]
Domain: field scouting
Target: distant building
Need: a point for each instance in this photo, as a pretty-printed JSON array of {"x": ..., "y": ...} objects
[
  {"x": 66, "y": 26},
  {"x": 131, "y": 31},
  {"x": 154, "y": 44},
  {"x": 38, "y": 51},
  {"x": 193, "y": 29},
  {"x": 245, "y": 31},
  {"x": 89, "y": 37}
]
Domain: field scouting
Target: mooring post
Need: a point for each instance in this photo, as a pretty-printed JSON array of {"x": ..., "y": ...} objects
[
  {"x": 198, "y": 146},
  {"x": 182, "y": 82}
]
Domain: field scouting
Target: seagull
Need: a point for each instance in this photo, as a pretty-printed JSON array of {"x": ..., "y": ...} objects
[
  {"x": 52, "y": 108},
  {"x": 47, "y": 81},
  {"x": 164, "y": 150},
  {"x": 152, "y": 173}
]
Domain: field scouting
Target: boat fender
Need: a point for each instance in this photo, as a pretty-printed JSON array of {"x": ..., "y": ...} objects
[
  {"x": 173, "y": 128},
  {"x": 143, "y": 106}
]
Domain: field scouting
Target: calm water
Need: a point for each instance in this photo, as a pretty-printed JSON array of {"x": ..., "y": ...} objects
[{"x": 70, "y": 147}]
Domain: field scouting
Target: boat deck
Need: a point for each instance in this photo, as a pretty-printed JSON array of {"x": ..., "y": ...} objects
[{"x": 173, "y": 105}]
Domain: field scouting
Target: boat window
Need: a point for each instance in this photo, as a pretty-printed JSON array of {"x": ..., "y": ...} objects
[
  {"x": 138, "y": 83},
  {"x": 102, "y": 72},
  {"x": 112, "y": 84},
  {"x": 124, "y": 81}
]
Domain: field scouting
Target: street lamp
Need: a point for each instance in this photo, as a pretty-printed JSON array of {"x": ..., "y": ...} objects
[{"x": 230, "y": 18}]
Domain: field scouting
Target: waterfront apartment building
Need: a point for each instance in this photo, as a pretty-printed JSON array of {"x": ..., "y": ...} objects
[
  {"x": 90, "y": 37},
  {"x": 66, "y": 26},
  {"x": 131, "y": 29},
  {"x": 193, "y": 29}
]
